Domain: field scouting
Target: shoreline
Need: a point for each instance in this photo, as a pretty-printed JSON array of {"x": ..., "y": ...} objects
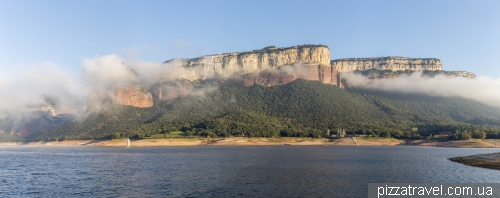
[{"x": 284, "y": 141}]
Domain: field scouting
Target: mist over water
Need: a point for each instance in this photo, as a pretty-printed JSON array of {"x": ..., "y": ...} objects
[{"x": 482, "y": 89}]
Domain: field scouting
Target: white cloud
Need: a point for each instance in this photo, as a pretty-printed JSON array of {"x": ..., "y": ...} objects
[{"x": 482, "y": 89}]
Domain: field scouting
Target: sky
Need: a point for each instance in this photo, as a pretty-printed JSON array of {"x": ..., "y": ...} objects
[{"x": 465, "y": 35}]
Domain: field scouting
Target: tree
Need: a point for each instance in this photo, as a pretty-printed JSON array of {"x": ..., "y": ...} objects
[
  {"x": 466, "y": 136},
  {"x": 116, "y": 135}
]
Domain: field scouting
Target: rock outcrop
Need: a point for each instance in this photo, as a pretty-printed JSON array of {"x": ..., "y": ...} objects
[
  {"x": 133, "y": 95},
  {"x": 239, "y": 63},
  {"x": 380, "y": 74},
  {"x": 451, "y": 73},
  {"x": 394, "y": 63},
  {"x": 287, "y": 74},
  {"x": 268, "y": 67},
  {"x": 172, "y": 90}
]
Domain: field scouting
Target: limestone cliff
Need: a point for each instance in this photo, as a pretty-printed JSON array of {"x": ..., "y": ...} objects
[
  {"x": 451, "y": 73},
  {"x": 229, "y": 64},
  {"x": 268, "y": 67},
  {"x": 380, "y": 74},
  {"x": 394, "y": 63}
]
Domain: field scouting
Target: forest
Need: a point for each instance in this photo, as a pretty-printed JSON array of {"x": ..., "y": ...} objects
[{"x": 298, "y": 109}]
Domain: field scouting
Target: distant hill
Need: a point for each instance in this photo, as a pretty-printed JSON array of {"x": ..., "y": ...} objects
[{"x": 300, "y": 108}]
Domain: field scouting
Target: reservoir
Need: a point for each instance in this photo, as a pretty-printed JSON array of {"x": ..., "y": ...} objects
[{"x": 227, "y": 171}]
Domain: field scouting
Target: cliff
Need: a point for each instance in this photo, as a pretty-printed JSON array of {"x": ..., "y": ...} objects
[
  {"x": 287, "y": 74},
  {"x": 228, "y": 64},
  {"x": 268, "y": 67},
  {"x": 172, "y": 90},
  {"x": 133, "y": 95},
  {"x": 394, "y": 63},
  {"x": 379, "y": 74},
  {"x": 464, "y": 74}
]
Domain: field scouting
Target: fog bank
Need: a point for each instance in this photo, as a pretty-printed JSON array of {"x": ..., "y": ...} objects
[{"x": 482, "y": 89}]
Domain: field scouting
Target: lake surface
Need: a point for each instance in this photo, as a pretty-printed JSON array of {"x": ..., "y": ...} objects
[{"x": 205, "y": 171}]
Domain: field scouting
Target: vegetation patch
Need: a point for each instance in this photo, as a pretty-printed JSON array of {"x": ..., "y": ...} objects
[{"x": 307, "y": 109}]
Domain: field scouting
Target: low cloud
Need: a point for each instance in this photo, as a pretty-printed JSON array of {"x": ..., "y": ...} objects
[
  {"x": 32, "y": 85},
  {"x": 482, "y": 89}
]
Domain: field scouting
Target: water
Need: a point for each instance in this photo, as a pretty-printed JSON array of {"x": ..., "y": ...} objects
[{"x": 266, "y": 171}]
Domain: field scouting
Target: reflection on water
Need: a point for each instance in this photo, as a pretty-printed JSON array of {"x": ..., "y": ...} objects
[{"x": 285, "y": 171}]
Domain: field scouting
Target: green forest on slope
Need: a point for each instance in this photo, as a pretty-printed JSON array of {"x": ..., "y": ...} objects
[{"x": 301, "y": 109}]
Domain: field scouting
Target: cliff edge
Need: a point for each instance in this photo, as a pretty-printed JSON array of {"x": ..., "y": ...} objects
[
  {"x": 394, "y": 63},
  {"x": 230, "y": 64},
  {"x": 272, "y": 66}
]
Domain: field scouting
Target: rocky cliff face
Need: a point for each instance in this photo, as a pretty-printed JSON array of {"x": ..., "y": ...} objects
[
  {"x": 287, "y": 74},
  {"x": 380, "y": 74},
  {"x": 451, "y": 73},
  {"x": 267, "y": 67},
  {"x": 133, "y": 95},
  {"x": 230, "y": 64},
  {"x": 394, "y": 63},
  {"x": 172, "y": 90}
]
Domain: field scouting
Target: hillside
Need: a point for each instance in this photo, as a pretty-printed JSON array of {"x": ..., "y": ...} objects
[{"x": 300, "y": 108}]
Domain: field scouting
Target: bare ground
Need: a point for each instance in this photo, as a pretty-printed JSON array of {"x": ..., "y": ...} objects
[
  {"x": 244, "y": 141},
  {"x": 490, "y": 160}
]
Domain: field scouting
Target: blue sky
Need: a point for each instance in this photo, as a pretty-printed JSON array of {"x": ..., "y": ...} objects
[{"x": 465, "y": 35}]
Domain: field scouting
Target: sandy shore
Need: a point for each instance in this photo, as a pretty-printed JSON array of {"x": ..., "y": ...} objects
[
  {"x": 472, "y": 143},
  {"x": 56, "y": 143},
  {"x": 243, "y": 141},
  {"x": 238, "y": 141},
  {"x": 490, "y": 160}
]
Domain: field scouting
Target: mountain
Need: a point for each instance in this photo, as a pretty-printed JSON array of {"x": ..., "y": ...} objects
[
  {"x": 271, "y": 67},
  {"x": 299, "y": 108},
  {"x": 33, "y": 121}
]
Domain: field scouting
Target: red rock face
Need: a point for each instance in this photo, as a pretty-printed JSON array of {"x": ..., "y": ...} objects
[
  {"x": 323, "y": 73},
  {"x": 140, "y": 97},
  {"x": 133, "y": 95}
]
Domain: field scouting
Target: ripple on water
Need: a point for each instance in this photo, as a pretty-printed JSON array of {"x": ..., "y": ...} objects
[{"x": 227, "y": 171}]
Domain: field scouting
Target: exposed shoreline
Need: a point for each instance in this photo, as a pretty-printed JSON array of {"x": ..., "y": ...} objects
[
  {"x": 285, "y": 141},
  {"x": 489, "y": 160}
]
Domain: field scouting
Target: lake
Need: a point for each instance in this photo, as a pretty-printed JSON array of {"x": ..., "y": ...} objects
[{"x": 225, "y": 171}]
